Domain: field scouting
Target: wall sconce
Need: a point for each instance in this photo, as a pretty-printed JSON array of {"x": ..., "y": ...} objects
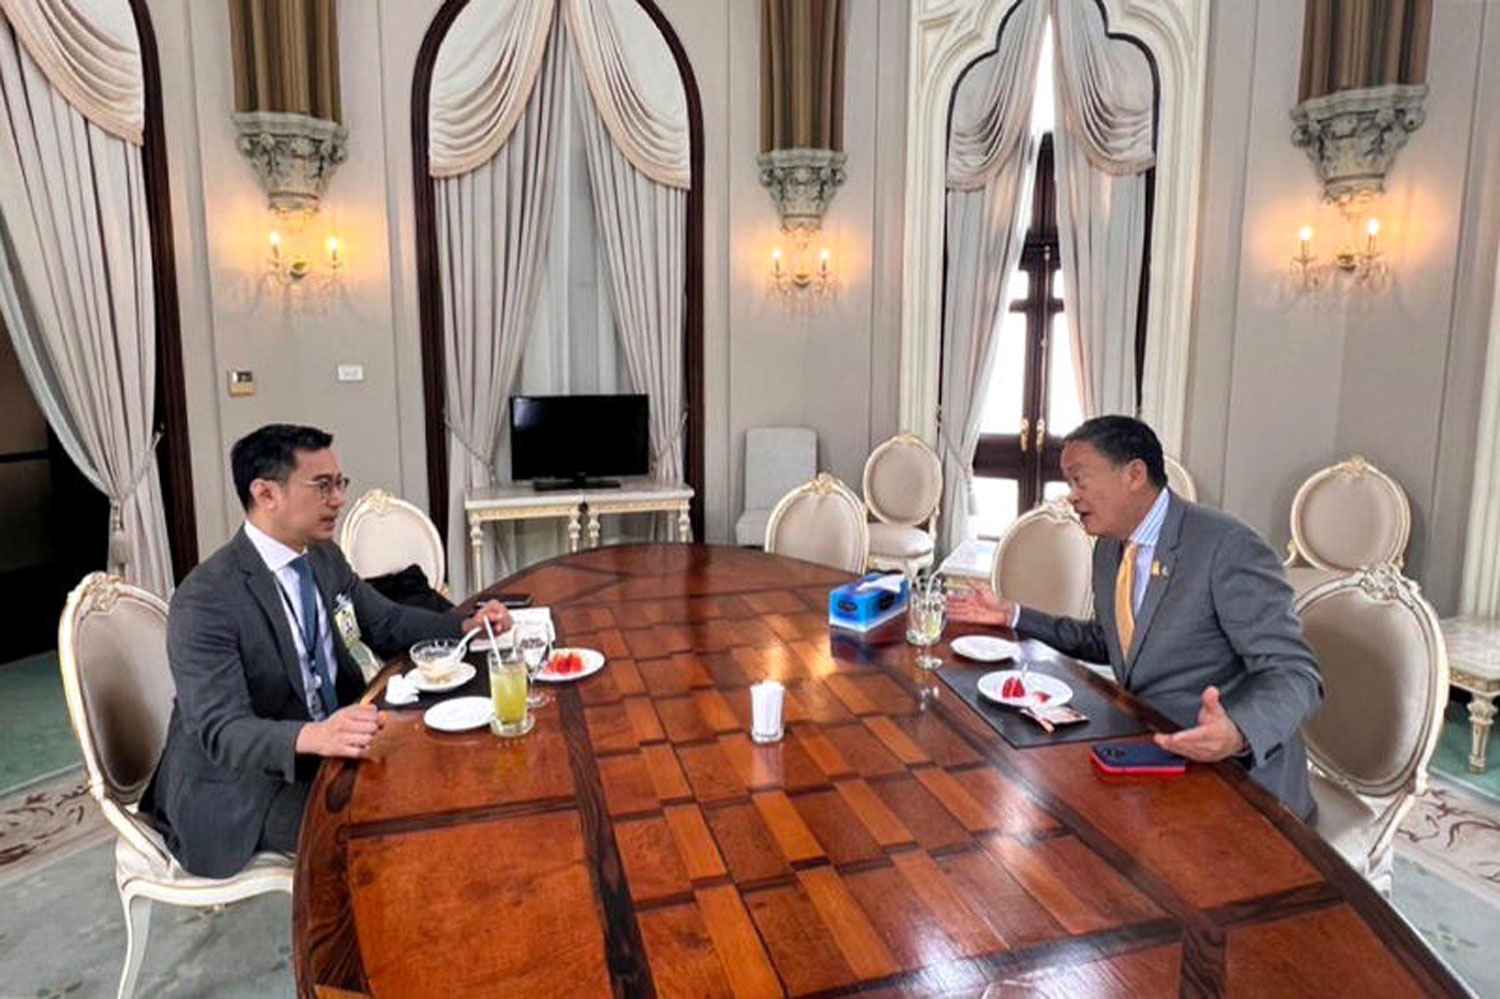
[
  {"x": 1349, "y": 267},
  {"x": 798, "y": 276},
  {"x": 289, "y": 267}
]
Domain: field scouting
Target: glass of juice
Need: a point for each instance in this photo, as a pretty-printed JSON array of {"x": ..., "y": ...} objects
[{"x": 508, "y": 692}]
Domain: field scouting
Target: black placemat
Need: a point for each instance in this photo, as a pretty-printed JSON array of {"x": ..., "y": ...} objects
[{"x": 1105, "y": 721}]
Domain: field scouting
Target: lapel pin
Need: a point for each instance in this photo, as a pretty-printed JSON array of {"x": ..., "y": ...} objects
[{"x": 1157, "y": 569}]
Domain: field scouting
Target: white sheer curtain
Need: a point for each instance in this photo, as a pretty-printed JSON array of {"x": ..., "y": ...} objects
[
  {"x": 572, "y": 347},
  {"x": 492, "y": 226},
  {"x": 991, "y": 153},
  {"x": 1104, "y": 148},
  {"x": 76, "y": 265}
]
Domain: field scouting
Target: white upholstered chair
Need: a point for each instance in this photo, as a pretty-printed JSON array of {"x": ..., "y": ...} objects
[
  {"x": 777, "y": 460},
  {"x": 1385, "y": 678},
  {"x": 112, "y": 645},
  {"x": 1180, "y": 480},
  {"x": 382, "y": 533},
  {"x": 1044, "y": 561},
  {"x": 903, "y": 484},
  {"x": 1346, "y": 517},
  {"x": 820, "y": 521}
]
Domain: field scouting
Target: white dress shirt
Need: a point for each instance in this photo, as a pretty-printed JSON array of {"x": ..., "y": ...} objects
[{"x": 278, "y": 558}]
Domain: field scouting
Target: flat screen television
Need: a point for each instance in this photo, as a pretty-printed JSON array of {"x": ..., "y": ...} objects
[{"x": 573, "y": 441}]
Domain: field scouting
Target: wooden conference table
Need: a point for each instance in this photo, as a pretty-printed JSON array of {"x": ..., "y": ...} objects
[{"x": 638, "y": 843}]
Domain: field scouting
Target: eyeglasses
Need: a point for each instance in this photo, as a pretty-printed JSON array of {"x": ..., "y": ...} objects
[{"x": 327, "y": 485}]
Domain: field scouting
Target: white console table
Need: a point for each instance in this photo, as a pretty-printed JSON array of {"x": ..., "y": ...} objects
[
  {"x": 1474, "y": 665},
  {"x": 581, "y": 507}
]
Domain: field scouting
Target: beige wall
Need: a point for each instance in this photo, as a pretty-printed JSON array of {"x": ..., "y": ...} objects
[
  {"x": 1280, "y": 385},
  {"x": 1283, "y": 385},
  {"x": 833, "y": 369}
]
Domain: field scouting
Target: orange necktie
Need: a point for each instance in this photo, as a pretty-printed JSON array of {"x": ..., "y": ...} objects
[{"x": 1125, "y": 598}]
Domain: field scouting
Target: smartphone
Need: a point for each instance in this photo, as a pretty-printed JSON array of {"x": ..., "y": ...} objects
[
  {"x": 1142, "y": 758},
  {"x": 513, "y": 599}
]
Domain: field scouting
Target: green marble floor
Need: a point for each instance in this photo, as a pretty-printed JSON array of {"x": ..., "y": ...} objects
[{"x": 36, "y": 740}]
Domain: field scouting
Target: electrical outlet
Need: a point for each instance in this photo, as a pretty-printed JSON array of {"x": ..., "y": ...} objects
[
  {"x": 241, "y": 383},
  {"x": 351, "y": 372}
]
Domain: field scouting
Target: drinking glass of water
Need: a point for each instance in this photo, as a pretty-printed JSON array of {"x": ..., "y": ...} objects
[
  {"x": 926, "y": 613},
  {"x": 534, "y": 643}
]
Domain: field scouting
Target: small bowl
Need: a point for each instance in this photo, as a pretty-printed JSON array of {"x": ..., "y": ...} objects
[{"x": 436, "y": 659}]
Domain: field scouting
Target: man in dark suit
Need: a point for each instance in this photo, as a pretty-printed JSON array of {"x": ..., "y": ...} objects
[
  {"x": 1191, "y": 610},
  {"x": 259, "y": 637}
]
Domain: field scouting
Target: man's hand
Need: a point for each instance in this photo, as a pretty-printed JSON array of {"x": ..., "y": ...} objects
[
  {"x": 494, "y": 611},
  {"x": 981, "y": 606},
  {"x": 347, "y": 732},
  {"x": 1214, "y": 738}
]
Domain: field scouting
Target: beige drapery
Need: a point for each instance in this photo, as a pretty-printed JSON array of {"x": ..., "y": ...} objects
[
  {"x": 991, "y": 154},
  {"x": 76, "y": 296}
]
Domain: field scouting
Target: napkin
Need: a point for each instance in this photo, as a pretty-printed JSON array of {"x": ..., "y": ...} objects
[
  {"x": 765, "y": 708},
  {"x": 890, "y": 583},
  {"x": 400, "y": 690},
  {"x": 519, "y": 615}
]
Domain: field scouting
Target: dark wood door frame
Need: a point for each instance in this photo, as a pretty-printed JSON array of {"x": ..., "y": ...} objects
[{"x": 429, "y": 286}]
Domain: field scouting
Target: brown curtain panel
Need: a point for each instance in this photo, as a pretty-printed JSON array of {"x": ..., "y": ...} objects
[
  {"x": 1354, "y": 44},
  {"x": 286, "y": 56},
  {"x": 802, "y": 75}
]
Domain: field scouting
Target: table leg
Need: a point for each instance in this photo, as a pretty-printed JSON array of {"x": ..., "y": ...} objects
[
  {"x": 476, "y": 553},
  {"x": 684, "y": 526},
  {"x": 593, "y": 529},
  {"x": 1481, "y": 717},
  {"x": 574, "y": 530}
]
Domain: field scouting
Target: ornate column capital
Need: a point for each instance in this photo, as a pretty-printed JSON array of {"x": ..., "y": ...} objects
[
  {"x": 293, "y": 155},
  {"x": 802, "y": 182},
  {"x": 1352, "y": 136}
]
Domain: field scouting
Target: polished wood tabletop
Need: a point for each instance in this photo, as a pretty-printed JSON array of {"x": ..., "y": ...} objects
[{"x": 892, "y": 844}]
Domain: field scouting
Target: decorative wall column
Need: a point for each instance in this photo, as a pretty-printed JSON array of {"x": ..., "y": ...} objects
[
  {"x": 802, "y": 108},
  {"x": 1364, "y": 63},
  {"x": 286, "y": 97},
  {"x": 1480, "y": 593}
]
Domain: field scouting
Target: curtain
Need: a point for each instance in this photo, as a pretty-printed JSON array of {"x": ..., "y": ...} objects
[
  {"x": 991, "y": 154},
  {"x": 483, "y": 80},
  {"x": 89, "y": 52},
  {"x": 1103, "y": 150},
  {"x": 644, "y": 225},
  {"x": 636, "y": 89},
  {"x": 635, "y": 131},
  {"x": 492, "y": 224},
  {"x": 572, "y": 346},
  {"x": 75, "y": 290}
]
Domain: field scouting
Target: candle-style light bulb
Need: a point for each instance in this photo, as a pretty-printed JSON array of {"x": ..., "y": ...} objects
[
  {"x": 1373, "y": 228},
  {"x": 333, "y": 250},
  {"x": 776, "y": 260},
  {"x": 1305, "y": 234}
]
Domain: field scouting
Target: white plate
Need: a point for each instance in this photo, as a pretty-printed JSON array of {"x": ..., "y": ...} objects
[
  {"x": 462, "y": 675},
  {"x": 593, "y": 662},
  {"x": 1058, "y": 692},
  {"x": 459, "y": 714},
  {"x": 984, "y": 648}
]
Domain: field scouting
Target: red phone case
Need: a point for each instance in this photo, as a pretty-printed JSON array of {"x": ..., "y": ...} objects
[{"x": 1164, "y": 769}]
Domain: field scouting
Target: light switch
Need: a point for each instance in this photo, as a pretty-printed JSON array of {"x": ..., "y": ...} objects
[
  {"x": 351, "y": 372},
  {"x": 241, "y": 383}
]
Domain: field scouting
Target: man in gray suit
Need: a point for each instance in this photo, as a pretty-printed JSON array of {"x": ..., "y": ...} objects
[
  {"x": 259, "y": 637},
  {"x": 1191, "y": 609}
]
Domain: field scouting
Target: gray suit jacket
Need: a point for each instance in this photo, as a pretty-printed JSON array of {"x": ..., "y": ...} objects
[
  {"x": 1219, "y": 613},
  {"x": 240, "y": 697}
]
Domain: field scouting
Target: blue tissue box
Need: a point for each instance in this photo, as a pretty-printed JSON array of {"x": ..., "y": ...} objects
[{"x": 862, "y": 609}]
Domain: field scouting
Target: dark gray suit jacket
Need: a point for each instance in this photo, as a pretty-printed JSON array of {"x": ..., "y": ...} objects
[
  {"x": 240, "y": 697},
  {"x": 1219, "y": 613}
]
